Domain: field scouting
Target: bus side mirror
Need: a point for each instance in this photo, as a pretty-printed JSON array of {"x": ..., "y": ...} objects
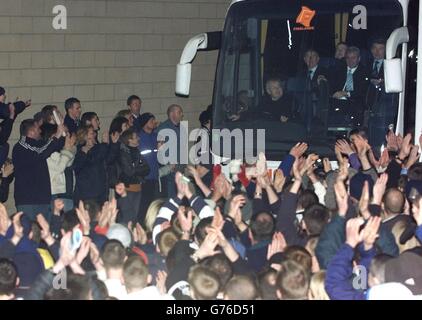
[
  {"x": 183, "y": 76},
  {"x": 393, "y": 73},
  {"x": 204, "y": 41},
  {"x": 393, "y": 76}
]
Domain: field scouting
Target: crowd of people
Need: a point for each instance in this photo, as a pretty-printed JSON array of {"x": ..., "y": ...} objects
[{"x": 98, "y": 217}]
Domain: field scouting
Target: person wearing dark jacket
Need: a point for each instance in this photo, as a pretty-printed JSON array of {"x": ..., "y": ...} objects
[
  {"x": 149, "y": 149},
  {"x": 6, "y": 129},
  {"x": 73, "y": 113},
  {"x": 349, "y": 86},
  {"x": 32, "y": 180},
  {"x": 134, "y": 104},
  {"x": 90, "y": 166},
  {"x": 6, "y": 108},
  {"x": 133, "y": 170},
  {"x": 338, "y": 283},
  {"x": 314, "y": 78},
  {"x": 6, "y": 180},
  {"x": 276, "y": 105}
]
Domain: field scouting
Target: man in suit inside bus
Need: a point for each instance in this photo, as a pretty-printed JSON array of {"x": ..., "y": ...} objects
[
  {"x": 376, "y": 86},
  {"x": 349, "y": 85},
  {"x": 315, "y": 77}
]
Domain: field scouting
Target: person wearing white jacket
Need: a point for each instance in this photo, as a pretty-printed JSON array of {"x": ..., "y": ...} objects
[{"x": 61, "y": 175}]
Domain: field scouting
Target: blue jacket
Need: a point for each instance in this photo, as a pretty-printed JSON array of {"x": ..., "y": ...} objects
[
  {"x": 338, "y": 281},
  {"x": 24, "y": 254},
  {"x": 419, "y": 233},
  {"x": 287, "y": 164}
]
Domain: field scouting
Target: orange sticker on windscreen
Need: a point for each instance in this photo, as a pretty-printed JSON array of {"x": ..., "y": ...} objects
[{"x": 305, "y": 18}]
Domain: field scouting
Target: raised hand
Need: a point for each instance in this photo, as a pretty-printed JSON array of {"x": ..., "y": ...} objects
[
  {"x": 413, "y": 156},
  {"x": 227, "y": 189},
  {"x": 94, "y": 255},
  {"x": 84, "y": 249},
  {"x": 362, "y": 146},
  {"x": 113, "y": 212},
  {"x": 279, "y": 180},
  {"x": 341, "y": 198},
  {"x": 263, "y": 181},
  {"x": 405, "y": 147},
  {"x": 17, "y": 227},
  {"x": 45, "y": 230},
  {"x": 364, "y": 202},
  {"x": 343, "y": 173},
  {"x": 296, "y": 172},
  {"x": 12, "y": 111},
  {"x": 327, "y": 165},
  {"x": 379, "y": 188},
  {"x": 392, "y": 141},
  {"x": 185, "y": 220},
  {"x": 193, "y": 172},
  {"x": 344, "y": 147},
  {"x": 104, "y": 218},
  {"x": 60, "y": 131},
  {"x": 4, "y": 220},
  {"x": 70, "y": 141},
  {"x": 7, "y": 169},
  {"x": 181, "y": 185},
  {"x": 235, "y": 204},
  {"x": 277, "y": 245},
  {"x": 299, "y": 149},
  {"x": 217, "y": 220},
  {"x": 115, "y": 136},
  {"x": 261, "y": 165},
  {"x": 353, "y": 237},
  {"x": 160, "y": 281},
  {"x": 385, "y": 159},
  {"x": 207, "y": 248},
  {"x": 84, "y": 218},
  {"x": 369, "y": 234},
  {"x": 67, "y": 255},
  {"x": 105, "y": 137}
]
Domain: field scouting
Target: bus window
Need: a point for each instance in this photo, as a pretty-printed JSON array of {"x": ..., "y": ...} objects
[{"x": 284, "y": 67}]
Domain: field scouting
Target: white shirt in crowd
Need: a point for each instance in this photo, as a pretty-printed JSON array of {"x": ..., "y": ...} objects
[{"x": 148, "y": 293}]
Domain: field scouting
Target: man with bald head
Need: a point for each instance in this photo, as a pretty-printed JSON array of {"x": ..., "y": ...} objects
[
  {"x": 393, "y": 205},
  {"x": 175, "y": 116}
]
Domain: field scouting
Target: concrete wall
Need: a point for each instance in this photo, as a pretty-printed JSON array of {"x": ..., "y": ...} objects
[{"x": 110, "y": 50}]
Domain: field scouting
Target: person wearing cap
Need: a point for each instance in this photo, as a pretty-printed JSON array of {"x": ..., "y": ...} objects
[{"x": 148, "y": 148}]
